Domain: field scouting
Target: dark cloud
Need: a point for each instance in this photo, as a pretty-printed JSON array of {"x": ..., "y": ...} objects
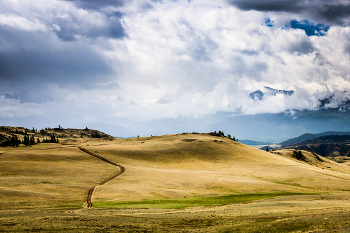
[
  {"x": 115, "y": 29},
  {"x": 270, "y": 5},
  {"x": 71, "y": 29},
  {"x": 96, "y": 4},
  {"x": 22, "y": 97},
  {"x": 249, "y": 52},
  {"x": 324, "y": 11},
  {"x": 335, "y": 13},
  {"x": 47, "y": 60},
  {"x": 27, "y": 96}
]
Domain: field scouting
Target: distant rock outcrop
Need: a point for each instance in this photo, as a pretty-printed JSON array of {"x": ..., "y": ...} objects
[
  {"x": 268, "y": 91},
  {"x": 329, "y": 102}
]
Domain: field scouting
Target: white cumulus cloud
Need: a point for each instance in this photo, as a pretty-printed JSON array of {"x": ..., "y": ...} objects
[{"x": 149, "y": 60}]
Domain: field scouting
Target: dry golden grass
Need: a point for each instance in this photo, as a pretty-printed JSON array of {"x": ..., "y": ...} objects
[
  {"x": 43, "y": 187},
  {"x": 47, "y": 174},
  {"x": 174, "y": 166}
]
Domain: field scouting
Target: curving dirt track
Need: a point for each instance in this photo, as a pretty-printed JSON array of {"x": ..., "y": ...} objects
[{"x": 92, "y": 188}]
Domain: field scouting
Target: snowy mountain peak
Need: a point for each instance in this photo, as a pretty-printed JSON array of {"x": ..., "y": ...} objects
[{"x": 268, "y": 91}]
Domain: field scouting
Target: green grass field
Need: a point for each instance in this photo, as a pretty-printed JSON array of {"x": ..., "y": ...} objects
[{"x": 181, "y": 203}]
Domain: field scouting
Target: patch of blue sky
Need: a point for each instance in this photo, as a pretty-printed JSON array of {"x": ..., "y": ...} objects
[
  {"x": 310, "y": 28},
  {"x": 268, "y": 22}
]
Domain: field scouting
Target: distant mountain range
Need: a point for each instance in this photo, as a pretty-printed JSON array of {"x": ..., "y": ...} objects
[
  {"x": 328, "y": 139},
  {"x": 328, "y": 144},
  {"x": 308, "y": 136}
]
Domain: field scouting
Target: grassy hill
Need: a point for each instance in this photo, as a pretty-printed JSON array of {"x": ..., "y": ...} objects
[{"x": 185, "y": 182}]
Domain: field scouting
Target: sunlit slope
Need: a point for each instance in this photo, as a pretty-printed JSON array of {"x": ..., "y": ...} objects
[
  {"x": 48, "y": 174},
  {"x": 198, "y": 164},
  {"x": 171, "y": 166}
]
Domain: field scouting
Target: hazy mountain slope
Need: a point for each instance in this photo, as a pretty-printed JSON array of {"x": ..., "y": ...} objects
[
  {"x": 309, "y": 136},
  {"x": 328, "y": 146},
  {"x": 328, "y": 139}
]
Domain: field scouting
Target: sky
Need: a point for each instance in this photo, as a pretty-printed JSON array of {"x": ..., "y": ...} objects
[{"x": 262, "y": 70}]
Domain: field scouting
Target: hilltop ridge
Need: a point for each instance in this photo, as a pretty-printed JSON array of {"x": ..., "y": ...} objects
[{"x": 8, "y": 133}]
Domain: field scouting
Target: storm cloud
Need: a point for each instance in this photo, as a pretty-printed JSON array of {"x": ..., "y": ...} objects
[
  {"x": 334, "y": 12},
  {"x": 47, "y": 59},
  {"x": 274, "y": 5},
  {"x": 97, "y": 4}
]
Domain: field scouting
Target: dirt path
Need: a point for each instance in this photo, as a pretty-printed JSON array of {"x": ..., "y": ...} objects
[{"x": 92, "y": 188}]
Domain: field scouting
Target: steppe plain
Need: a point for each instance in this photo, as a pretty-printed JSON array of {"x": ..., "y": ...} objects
[{"x": 171, "y": 183}]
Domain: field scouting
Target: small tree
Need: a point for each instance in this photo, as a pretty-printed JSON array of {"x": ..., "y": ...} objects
[
  {"x": 53, "y": 138},
  {"x": 95, "y": 134},
  {"x": 298, "y": 155},
  {"x": 26, "y": 140},
  {"x": 32, "y": 140},
  {"x": 221, "y": 133},
  {"x": 14, "y": 141}
]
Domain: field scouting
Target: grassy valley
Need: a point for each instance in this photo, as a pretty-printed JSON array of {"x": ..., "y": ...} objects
[{"x": 184, "y": 182}]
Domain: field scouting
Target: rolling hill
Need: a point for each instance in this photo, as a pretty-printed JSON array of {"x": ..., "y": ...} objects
[{"x": 163, "y": 179}]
